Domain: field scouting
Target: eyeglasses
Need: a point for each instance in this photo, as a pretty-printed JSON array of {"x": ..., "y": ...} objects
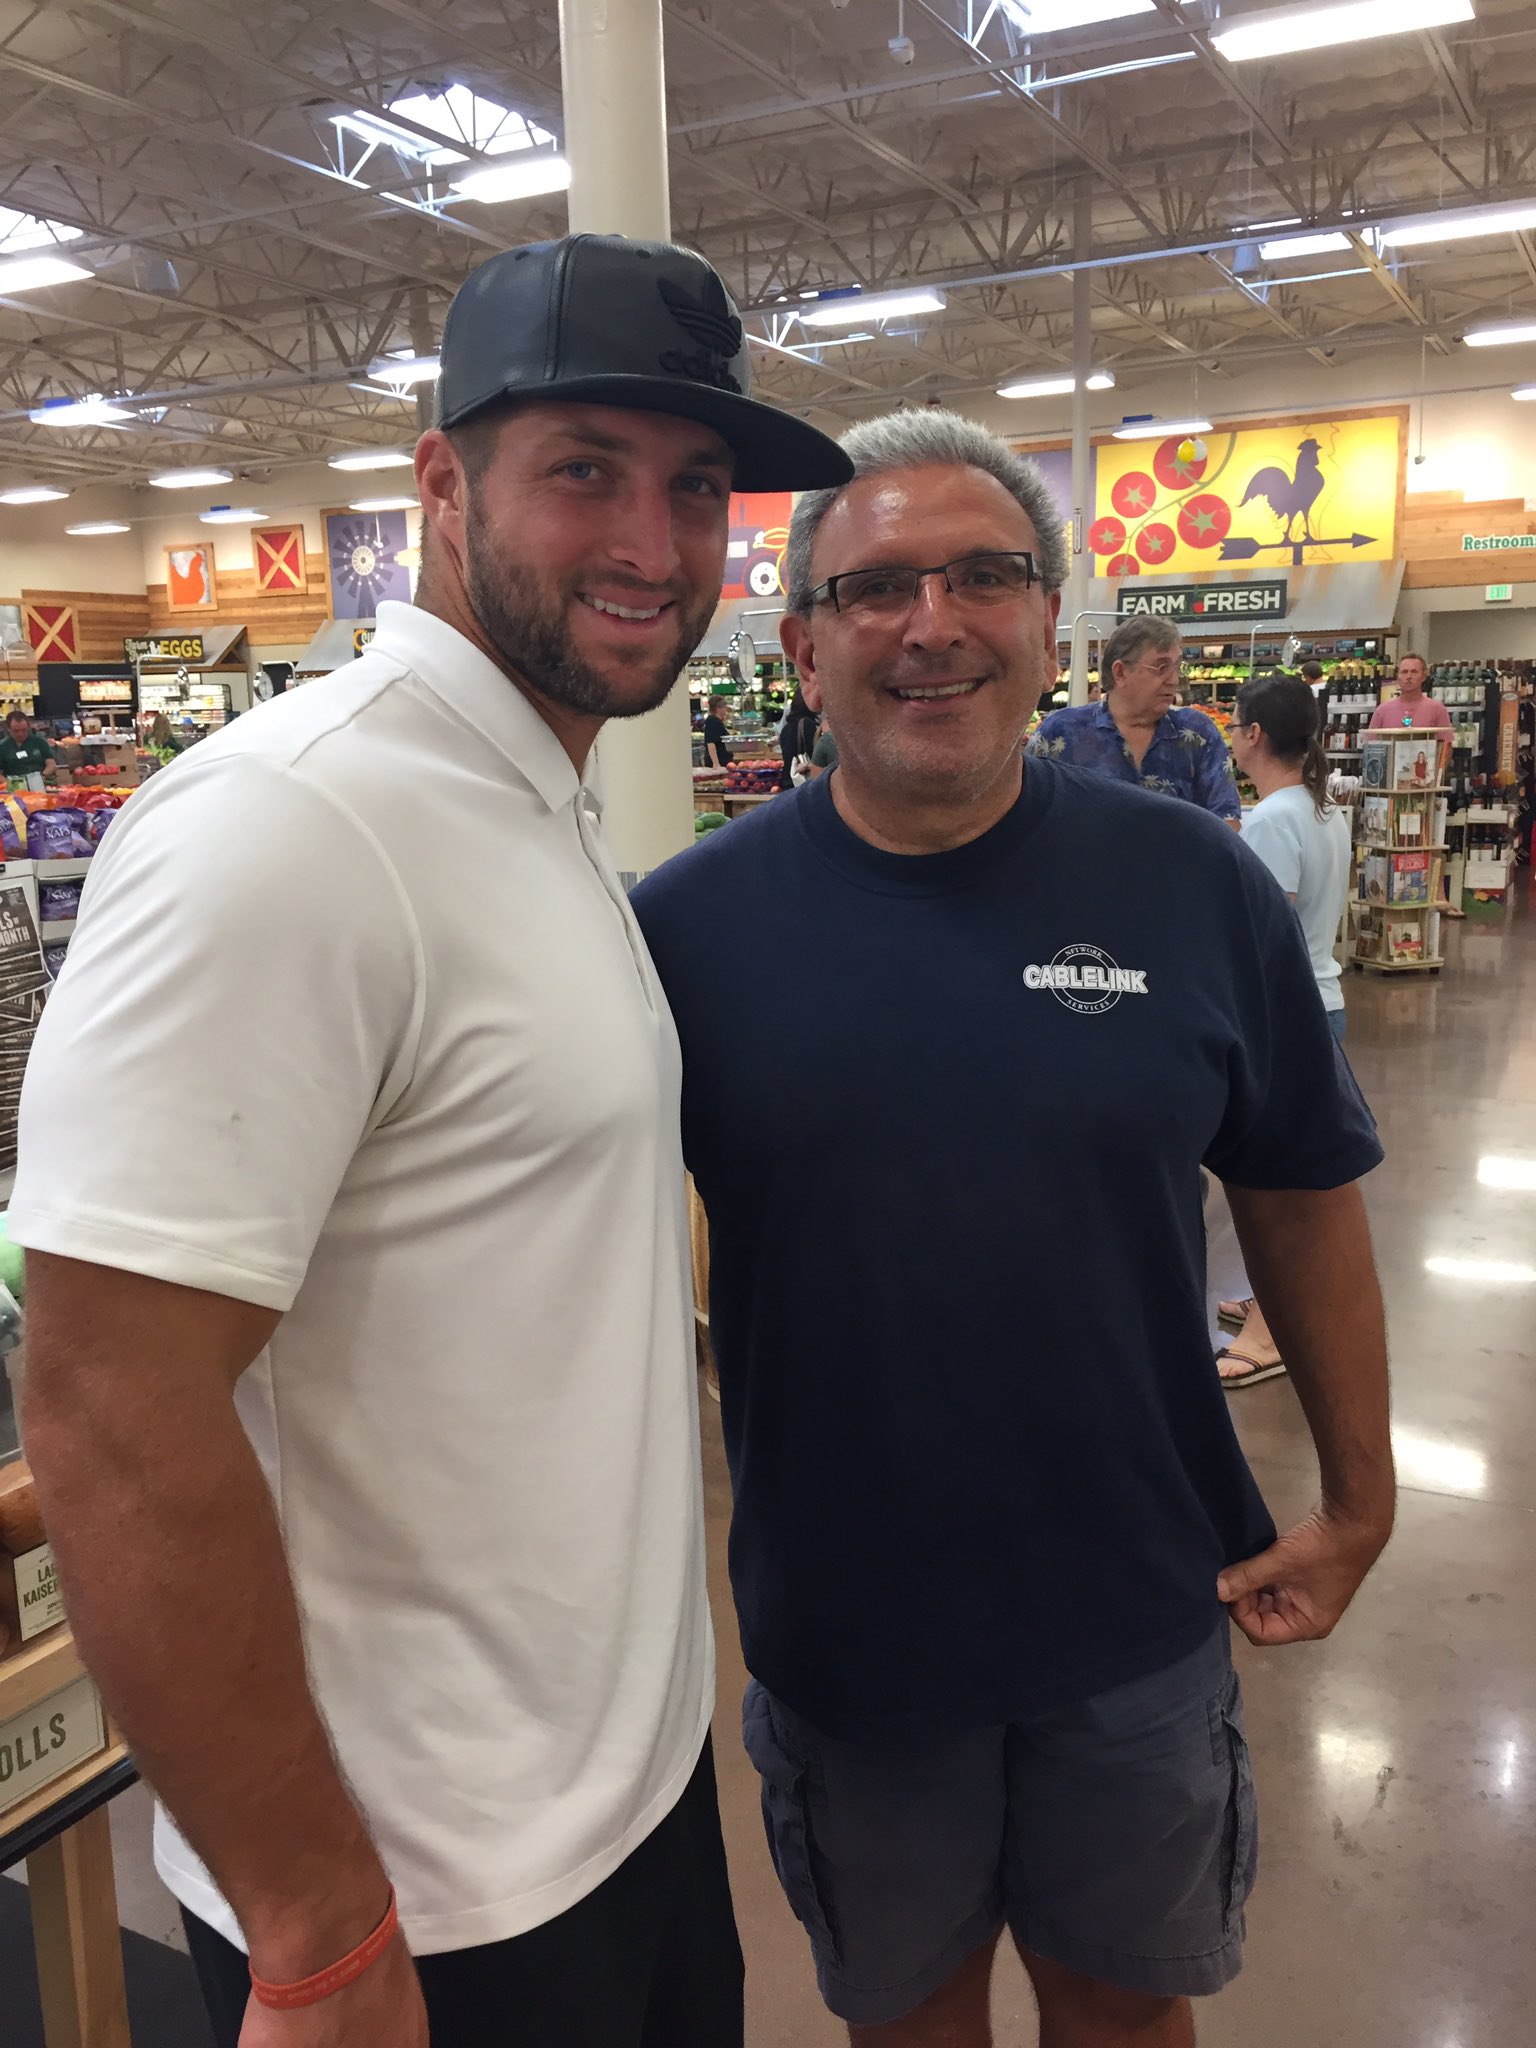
[{"x": 978, "y": 580}]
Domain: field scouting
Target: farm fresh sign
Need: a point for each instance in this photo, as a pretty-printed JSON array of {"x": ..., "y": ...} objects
[{"x": 1249, "y": 602}]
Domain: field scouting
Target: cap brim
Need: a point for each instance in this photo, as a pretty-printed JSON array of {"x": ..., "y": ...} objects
[{"x": 774, "y": 451}]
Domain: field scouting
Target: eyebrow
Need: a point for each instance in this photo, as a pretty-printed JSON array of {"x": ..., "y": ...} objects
[{"x": 713, "y": 457}]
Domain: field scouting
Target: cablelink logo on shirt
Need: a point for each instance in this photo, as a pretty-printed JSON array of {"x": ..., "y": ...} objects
[{"x": 1087, "y": 980}]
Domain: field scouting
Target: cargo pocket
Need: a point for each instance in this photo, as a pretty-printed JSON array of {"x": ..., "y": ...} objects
[
  {"x": 1240, "y": 1838},
  {"x": 786, "y": 1817}
]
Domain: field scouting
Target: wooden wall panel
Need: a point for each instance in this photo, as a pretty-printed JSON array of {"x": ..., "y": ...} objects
[
  {"x": 270, "y": 620},
  {"x": 1433, "y": 526},
  {"x": 104, "y": 618}
]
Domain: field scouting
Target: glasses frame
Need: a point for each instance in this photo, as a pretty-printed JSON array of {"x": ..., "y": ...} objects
[{"x": 827, "y": 593}]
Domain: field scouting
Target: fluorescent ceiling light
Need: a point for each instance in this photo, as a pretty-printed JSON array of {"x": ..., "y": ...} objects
[
  {"x": 1054, "y": 387},
  {"x": 1158, "y": 430},
  {"x": 1319, "y": 28},
  {"x": 32, "y": 494},
  {"x": 853, "y": 308},
  {"x": 1049, "y": 17},
  {"x": 374, "y": 458},
  {"x": 1489, "y": 1272},
  {"x": 1494, "y": 1171},
  {"x": 406, "y": 369},
  {"x": 94, "y": 411},
  {"x": 1501, "y": 335},
  {"x": 32, "y": 273},
  {"x": 191, "y": 479},
  {"x": 383, "y": 505},
  {"x": 231, "y": 515},
  {"x": 1302, "y": 245},
  {"x": 525, "y": 177},
  {"x": 1526, "y": 391},
  {"x": 1463, "y": 226},
  {"x": 94, "y": 526}
]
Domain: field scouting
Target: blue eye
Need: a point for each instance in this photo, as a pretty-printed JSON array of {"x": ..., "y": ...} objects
[{"x": 587, "y": 469}]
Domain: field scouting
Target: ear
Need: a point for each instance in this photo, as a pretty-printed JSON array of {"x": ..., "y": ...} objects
[
  {"x": 1052, "y": 616},
  {"x": 443, "y": 489},
  {"x": 799, "y": 643}
]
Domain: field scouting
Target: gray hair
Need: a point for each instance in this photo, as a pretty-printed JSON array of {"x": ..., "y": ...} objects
[
  {"x": 913, "y": 440},
  {"x": 1130, "y": 640}
]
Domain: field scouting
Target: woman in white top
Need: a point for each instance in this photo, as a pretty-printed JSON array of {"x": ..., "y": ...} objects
[{"x": 1304, "y": 841}]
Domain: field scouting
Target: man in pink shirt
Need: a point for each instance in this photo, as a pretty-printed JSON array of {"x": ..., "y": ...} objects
[{"x": 1412, "y": 708}]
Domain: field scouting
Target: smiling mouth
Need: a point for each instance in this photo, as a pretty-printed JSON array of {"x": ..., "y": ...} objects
[
  {"x": 931, "y": 694},
  {"x": 624, "y": 611}
]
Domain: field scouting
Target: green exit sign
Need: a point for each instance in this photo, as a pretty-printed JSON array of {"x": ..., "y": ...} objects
[{"x": 1498, "y": 593}]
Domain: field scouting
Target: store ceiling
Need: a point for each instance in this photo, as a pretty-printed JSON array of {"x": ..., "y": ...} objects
[{"x": 241, "y": 285}]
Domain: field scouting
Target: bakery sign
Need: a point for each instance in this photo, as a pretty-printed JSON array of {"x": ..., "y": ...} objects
[
  {"x": 1256, "y": 598},
  {"x": 167, "y": 647},
  {"x": 44, "y": 1742}
]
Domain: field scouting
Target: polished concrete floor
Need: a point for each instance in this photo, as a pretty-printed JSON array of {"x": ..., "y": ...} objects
[{"x": 1397, "y": 1762}]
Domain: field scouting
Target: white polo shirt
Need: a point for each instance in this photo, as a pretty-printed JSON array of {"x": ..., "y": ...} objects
[{"x": 357, "y": 1025}]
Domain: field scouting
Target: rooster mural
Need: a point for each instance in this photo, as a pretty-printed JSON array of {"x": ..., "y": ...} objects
[{"x": 1290, "y": 498}]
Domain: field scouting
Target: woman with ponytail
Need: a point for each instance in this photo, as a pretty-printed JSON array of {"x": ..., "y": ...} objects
[{"x": 1304, "y": 842}]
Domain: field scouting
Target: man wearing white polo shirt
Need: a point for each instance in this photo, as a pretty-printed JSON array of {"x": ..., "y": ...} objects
[{"x": 360, "y": 1390}]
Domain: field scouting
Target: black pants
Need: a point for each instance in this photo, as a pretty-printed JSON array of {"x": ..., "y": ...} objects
[{"x": 648, "y": 1960}]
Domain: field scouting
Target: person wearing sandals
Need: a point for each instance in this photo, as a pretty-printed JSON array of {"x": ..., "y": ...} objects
[{"x": 1303, "y": 840}]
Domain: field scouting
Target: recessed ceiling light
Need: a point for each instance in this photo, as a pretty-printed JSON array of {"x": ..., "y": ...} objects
[
  {"x": 1302, "y": 245},
  {"x": 1498, "y": 336},
  {"x": 1054, "y": 387},
  {"x": 33, "y": 273},
  {"x": 406, "y": 369},
  {"x": 95, "y": 411},
  {"x": 383, "y": 505},
  {"x": 522, "y": 177},
  {"x": 92, "y": 527},
  {"x": 1465, "y": 225},
  {"x": 231, "y": 515},
  {"x": 1158, "y": 430},
  {"x": 32, "y": 494},
  {"x": 374, "y": 458},
  {"x": 1290, "y": 29},
  {"x": 852, "y": 309},
  {"x": 191, "y": 479}
]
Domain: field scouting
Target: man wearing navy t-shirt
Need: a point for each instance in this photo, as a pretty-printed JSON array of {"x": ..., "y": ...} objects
[{"x": 990, "y": 1514}]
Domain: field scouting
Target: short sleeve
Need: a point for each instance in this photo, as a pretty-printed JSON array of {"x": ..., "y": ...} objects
[
  {"x": 239, "y": 1002},
  {"x": 1215, "y": 780},
  {"x": 1274, "y": 841},
  {"x": 1295, "y": 1117}
]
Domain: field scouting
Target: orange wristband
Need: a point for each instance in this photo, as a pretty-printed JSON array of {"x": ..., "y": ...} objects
[{"x": 324, "y": 1983}]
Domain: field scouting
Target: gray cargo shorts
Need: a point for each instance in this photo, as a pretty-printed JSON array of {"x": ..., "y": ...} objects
[{"x": 1117, "y": 1837}]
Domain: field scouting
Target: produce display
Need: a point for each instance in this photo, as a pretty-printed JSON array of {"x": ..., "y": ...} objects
[{"x": 752, "y": 778}]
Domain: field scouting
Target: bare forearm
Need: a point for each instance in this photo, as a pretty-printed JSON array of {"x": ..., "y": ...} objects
[
  {"x": 1309, "y": 1259},
  {"x": 178, "y": 1591}
]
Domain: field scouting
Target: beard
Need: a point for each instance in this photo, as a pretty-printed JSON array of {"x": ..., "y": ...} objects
[{"x": 525, "y": 620}]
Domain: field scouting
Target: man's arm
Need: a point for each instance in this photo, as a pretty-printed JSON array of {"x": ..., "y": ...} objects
[
  {"x": 1308, "y": 1254},
  {"x": 178, "y": 1592}
]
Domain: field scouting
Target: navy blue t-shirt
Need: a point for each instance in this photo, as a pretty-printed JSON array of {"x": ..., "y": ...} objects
[{"x": 981, "y": 1457}]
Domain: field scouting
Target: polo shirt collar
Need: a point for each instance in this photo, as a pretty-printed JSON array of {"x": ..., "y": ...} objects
[
  {"x": 1102, "y": 716},
  {"x": 473, "y": 687}
]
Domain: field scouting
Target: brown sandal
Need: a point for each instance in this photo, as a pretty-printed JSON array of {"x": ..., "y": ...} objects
[
  {"x": 1258, "y": 1369},
  {"x": 1234, "y": 1311}
]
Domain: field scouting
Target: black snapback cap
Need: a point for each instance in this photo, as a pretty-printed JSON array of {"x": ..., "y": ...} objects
[{"x": 645, "y": 325}]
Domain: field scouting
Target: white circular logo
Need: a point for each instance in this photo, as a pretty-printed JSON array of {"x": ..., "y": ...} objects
[{"x": 1097, "y": 990}]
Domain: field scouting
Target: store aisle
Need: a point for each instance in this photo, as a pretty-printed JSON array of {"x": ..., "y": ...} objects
[{"x": 1397, "y": 1762}]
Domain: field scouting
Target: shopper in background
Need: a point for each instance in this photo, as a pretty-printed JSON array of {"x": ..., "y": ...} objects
[
  {"x": 1411, "y": 706},
  {"x": 797, "y": 738},
  {"x": 1304, "y": 841},
  {"x": 360, "y": 1390},
  {"x": 25, "y": 752},
  {"x": 824, "y": 753},
  {"x": 1312, "y": 675},
  {"x": 717, "y": 753},
  {"x": 988, "y": 1507},
  {"x": 1138, "y": 732}
]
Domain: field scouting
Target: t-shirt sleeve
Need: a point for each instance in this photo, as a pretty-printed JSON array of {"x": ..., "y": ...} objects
[
  {"x": 824, "y": 753},
  {"x": 1215, "y": 783},
  {"x": 238, "y": 1005},
  {"x": 1295, "y": 1117},
  {"x": 1274, "y": 840}
]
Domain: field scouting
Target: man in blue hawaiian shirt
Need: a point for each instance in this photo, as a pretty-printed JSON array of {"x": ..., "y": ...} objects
[{"x": 1135, "y": 734}]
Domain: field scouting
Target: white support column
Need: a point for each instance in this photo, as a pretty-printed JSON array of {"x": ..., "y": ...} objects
[
  {"x": 616, "y": 143},
  {"x": 1079, "y": 583}
]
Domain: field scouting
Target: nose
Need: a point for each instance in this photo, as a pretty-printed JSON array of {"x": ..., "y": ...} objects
[
  {"x": 642, "y": 535},
  {"x": 936, "y": 619}
]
